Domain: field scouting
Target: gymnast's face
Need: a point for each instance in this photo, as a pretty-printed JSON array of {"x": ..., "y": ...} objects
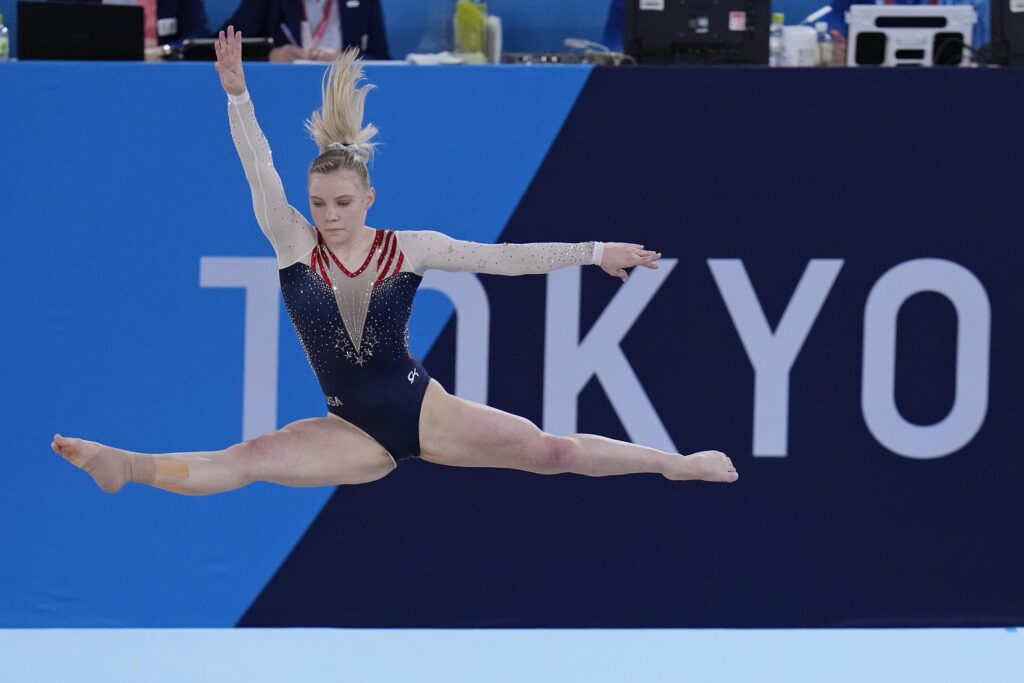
[{"x": 339, "y": 202}]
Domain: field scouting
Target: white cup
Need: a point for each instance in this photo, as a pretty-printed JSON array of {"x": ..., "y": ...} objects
[{"x": 800, "y": 46}]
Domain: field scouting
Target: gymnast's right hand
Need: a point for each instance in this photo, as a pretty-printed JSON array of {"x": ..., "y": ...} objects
[{"x": 229, "y": 61}]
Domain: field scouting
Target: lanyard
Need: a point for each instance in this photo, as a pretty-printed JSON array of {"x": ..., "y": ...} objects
[{"x": 321, "y": 28}]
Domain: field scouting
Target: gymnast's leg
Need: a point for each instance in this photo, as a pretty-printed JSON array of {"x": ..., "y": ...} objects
[
  {"x": 322, "y": 451},
  {"x": 457, "y": 432}
]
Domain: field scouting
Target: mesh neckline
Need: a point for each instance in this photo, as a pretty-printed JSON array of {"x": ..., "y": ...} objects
[{"x": 326, "y": 250}]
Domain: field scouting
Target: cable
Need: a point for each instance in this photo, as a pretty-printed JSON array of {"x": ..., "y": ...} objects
[
  {"x": 584, "y": 44},
  {"x": 982, "y": 56}
]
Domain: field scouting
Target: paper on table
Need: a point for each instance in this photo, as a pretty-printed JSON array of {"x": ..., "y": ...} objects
[{"x": 434, "y": 58}]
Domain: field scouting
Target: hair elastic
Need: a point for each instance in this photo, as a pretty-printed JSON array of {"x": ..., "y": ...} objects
[{"x": 352, "y": 148}]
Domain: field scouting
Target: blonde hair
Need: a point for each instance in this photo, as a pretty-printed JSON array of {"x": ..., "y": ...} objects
[{"x": 337, "y": 129}]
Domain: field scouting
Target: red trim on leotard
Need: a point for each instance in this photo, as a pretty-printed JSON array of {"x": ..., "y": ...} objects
[
  {"x": 388, "y": 238},
  {"x": 387, "y": 266},
  {"x": 325, "y": 271},
  {"x": 384, "y": 274},
  {"x": 390, "y": 257},
  {"x": 369, "y": 256},
  {"x": 316, "y": 264}
]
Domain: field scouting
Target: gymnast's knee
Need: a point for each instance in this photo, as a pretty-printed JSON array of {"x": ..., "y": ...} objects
[
  {"x": 556, "y": 454},
  {"x": 250, "y": 458}
]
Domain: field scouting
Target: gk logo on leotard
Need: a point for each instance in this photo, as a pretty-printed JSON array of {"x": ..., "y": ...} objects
[
  {"x": 333, "y": 401},
  {"x": 413, "y": 375}
]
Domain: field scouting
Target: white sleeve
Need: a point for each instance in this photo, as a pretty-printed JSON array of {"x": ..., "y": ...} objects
[
  {"x": 288, "y": 231},
  {"x": 426, "y": 249}
]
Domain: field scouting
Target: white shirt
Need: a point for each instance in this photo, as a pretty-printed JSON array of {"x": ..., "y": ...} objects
[{"x": 314, "y": 14}]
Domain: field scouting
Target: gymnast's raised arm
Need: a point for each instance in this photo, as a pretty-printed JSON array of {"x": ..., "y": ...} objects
[
  {"x": 288, "y": 231},
  {"x": 427, "y": 249}
]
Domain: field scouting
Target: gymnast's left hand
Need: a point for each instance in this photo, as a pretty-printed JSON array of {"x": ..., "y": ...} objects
[{"x": 620, "y": 255}]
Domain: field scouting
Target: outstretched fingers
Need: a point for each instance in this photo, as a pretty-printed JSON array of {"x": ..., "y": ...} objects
[
  {"x": 647, "y": 258},
  {"x": 618, "y": 256},
  {"x": 228, "y": 46},
  {"x": 638, "y": 256},
  {"x": 222, "y": 44}
]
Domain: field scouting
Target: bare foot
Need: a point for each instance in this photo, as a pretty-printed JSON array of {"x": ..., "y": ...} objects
[
  {"x": 705, "y": 466},
  {"x": 110, "y": 467}
]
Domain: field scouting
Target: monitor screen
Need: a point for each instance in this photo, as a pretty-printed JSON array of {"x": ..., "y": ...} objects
[
  {"x": 79, "y": 31},
  {"x": 698, "y": 31}
]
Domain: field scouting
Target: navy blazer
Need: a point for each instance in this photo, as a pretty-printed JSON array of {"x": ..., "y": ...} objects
[
  {"x": 180, "y": 19},
  {"x": 362, "y": 23}
]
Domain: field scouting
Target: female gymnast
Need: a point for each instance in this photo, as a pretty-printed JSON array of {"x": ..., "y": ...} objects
[{"x": 349, "y": 290}]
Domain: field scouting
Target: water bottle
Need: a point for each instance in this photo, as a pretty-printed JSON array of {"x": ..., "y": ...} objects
[
  {"x": 470, "y": 22},
  {"x": 775, "y": 57},
  {"x": 825, "y": 44},
  {"x": 5, "y": 41}
]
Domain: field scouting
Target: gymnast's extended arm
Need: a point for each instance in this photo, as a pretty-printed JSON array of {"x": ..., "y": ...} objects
[
  {"x": 288, "y": 231},
  {"x": 427, "y": 249}
]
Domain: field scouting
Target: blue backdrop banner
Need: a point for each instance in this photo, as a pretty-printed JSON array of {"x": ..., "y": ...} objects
[{"x": 836, "y": 309}]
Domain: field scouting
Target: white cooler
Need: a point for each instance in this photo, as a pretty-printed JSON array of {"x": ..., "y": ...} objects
[{"x": 909, "y": 35}]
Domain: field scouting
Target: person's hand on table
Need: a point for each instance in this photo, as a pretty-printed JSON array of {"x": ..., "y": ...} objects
[
  {"x": 287, "y": 53},
  {"x": 322, "y": 54}
]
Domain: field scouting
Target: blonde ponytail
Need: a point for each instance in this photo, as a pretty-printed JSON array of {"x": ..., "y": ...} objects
[{"x": 340, "y": 120}]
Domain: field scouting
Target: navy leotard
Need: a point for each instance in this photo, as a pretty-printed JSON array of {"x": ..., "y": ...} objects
[
  {"x": 376, "y": 385},
  {"x": 353, "y": 324}
]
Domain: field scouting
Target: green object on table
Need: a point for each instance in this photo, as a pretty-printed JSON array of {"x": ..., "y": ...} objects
[{"x": 470, "y": 26}]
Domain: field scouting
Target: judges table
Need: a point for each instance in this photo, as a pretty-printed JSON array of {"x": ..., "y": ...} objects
[{"x": 838, "y": 309}]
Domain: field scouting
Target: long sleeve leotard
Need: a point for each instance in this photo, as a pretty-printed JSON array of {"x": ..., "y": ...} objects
[{"x": 352, "y": 319}]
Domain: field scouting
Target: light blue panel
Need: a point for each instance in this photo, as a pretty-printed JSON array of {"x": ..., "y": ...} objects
[
  {"x": 116, "y": 180},
  {"x": 425, "y": 25},
  {"x": 528, "y": 25},
  {"x": 540, "y": 26},
  {"x": 499, "y": 656}
]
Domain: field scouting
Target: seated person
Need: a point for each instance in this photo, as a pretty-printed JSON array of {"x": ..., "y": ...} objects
[{"x": 334, "y": 25}]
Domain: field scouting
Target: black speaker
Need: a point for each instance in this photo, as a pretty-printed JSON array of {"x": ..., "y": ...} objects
[
  {"x": 870, "y": 48},
  {"x": 947, "y": 49}
]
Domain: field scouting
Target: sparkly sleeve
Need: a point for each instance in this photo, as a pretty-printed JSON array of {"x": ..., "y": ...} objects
[
  {"x": 288, "y": 231},
  {"x": 426, "y": 249}
]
